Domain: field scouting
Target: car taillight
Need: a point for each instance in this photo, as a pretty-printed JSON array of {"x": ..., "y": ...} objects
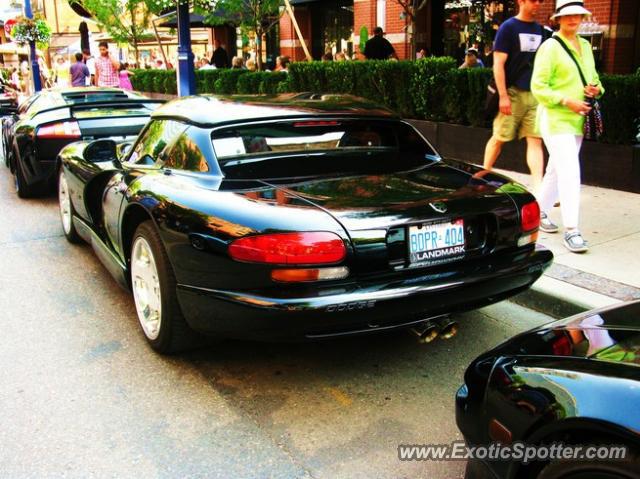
[
  {"x": 64, "y": 129},
  {"x": 289, "y": 248},
  {"x": 561, "y": 346},
  {"x": 530, "y": 216}
]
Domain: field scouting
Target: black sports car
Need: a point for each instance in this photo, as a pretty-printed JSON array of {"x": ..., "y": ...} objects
[
  {"x": 51, "y": 119},
  {"x": 294, "y": 217},
  {"x": 575, "y": 381}
]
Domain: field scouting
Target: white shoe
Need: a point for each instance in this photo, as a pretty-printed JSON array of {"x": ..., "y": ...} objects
[{"x": 574, "y": 242}]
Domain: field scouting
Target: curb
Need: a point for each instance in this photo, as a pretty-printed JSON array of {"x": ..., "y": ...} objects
[{"x": 559, "y": 299}]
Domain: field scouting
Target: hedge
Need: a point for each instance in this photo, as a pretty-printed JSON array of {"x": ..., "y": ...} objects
[{"x": 428, "y": 89}]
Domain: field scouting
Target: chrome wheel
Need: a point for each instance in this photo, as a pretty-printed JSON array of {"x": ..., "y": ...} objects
[
  {"x": 65, "y": 203},
  {"x": 146, "y": 287}
]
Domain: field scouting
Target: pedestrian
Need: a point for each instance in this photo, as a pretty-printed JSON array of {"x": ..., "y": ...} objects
[
  {"x": 15, "y": 79},
  {"x": 123, "y": 76},
  {"x": 558, "y": 86},
  {"x": 79, "y": 72},
  {"x": 471, "y": 60},
  {"x": 237, "y": 63},
  {"x": 514, "y": 50},
  {"x": 282, "y": 63},
  {"x": 251, "y": 65},
  {"x": 91, "y": 65},
  {"x": 61, "y": 72},
  {"x": 378, "y": 47},
  {"x": 220, "y": 58},
  {"x": 205, "y": 65},
  {"x": 106, "y": 67}
]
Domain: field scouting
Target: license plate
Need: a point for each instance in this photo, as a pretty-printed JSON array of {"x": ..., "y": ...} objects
[{"x": 436, "y": 242}]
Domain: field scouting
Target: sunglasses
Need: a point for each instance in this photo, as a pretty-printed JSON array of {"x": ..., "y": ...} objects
[{"x": 536, "y": 1}]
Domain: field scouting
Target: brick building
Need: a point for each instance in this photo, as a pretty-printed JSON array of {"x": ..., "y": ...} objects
[{"x": 335, "y": 25}]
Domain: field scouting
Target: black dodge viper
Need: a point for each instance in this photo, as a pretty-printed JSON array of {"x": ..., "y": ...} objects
[{"x": 294, "y": 217}]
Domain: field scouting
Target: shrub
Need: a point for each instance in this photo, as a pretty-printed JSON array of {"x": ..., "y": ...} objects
[
  {"x": 477, "y": 81},
  {"x": 226, "y": 84},
  {"x": 249, "y": 83},
  {"x": 428, "y": 85},
  {"x": 171, "y": 83},
  {"x": 620, "y": 108},
  {"x": 206, "y": 80},
  {"x": 271, "y": 82}
]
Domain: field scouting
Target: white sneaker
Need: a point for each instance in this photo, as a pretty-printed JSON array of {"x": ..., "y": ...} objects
[
  {"x": 546, "y": 224},
  {"x": 574, "y": 242}
]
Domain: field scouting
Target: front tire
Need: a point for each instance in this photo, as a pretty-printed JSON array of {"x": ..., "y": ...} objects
[
  {"x": 154, "y": 292},
  {"x": 629, "y": 468},
  {"x": 66, "y": 210}
]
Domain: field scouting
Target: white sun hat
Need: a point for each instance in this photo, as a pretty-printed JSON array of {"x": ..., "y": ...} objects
[{"x": 569, "y": 7}]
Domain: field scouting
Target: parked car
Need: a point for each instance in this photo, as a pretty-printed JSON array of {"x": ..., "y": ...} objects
[
  {"x": 51, "y": 119},
  {"x": 574, "y": 381},
  {"x": 294, "y": 217},
  {"x": 8, "y": 100}
]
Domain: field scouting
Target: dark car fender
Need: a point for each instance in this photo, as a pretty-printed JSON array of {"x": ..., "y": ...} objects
[{"x": 546, "y": 398}]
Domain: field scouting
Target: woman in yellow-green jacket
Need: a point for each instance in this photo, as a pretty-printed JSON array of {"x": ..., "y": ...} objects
[{"x": 561, "y": 95}]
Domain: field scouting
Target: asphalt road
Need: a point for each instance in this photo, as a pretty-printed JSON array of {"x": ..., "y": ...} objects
[{"x": 81, "y": 394}]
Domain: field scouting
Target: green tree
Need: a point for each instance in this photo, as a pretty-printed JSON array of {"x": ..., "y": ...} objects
[
  {"x": 126, "y": 21},
  {"x": 257, "y": 16}
]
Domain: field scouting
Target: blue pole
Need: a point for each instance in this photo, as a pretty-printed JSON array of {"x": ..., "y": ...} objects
[
  {"x": 186, "y": 73},
  {"x": 35, "y": 68}
]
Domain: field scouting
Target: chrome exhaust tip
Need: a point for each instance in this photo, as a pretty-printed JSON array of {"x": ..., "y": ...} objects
[
  {"x": 448, "y": 328},
  {"x": 426, "y": 333}
]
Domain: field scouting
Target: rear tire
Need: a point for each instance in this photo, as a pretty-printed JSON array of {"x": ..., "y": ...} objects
[
  {"x": 66, "y": 210},
  {"x": 22, "y": 188},
  {"x": 154, "y": 291}
]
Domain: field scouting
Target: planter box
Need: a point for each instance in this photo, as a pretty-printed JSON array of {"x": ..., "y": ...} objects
[{"x": 608, "y": 166}]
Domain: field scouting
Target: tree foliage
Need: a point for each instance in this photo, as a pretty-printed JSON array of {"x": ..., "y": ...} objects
[
  {"x": 257, "y": 16},
  {"x": 126, "y": 21}
]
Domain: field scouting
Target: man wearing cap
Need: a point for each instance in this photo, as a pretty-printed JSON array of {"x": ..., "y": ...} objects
[
  {"x": 378, "y": 47},
  {"x": 471, "y": 59},
  {"x": 514, "y": 50}
]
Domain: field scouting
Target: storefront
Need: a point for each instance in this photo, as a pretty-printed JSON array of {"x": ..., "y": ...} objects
[{"x": 326, "y": 26}]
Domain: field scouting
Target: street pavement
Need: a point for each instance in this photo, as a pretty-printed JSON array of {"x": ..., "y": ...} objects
[
  {"x": 82, "y": 395},
  {"x": 609, "y": 272}
]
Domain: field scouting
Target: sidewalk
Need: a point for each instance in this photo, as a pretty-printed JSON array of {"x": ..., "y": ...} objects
[{"x": 608, "y": 273}]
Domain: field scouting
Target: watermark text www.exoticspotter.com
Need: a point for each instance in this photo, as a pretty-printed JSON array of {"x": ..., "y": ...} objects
[{"x": 518, "y": 451}]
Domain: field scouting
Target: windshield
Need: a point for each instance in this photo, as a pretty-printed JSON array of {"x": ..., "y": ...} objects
[{"x": 309, "y": 147}]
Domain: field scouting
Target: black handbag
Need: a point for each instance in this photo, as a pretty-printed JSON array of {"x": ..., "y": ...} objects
[
  {"x": 492, "y": 101},
  {"x": 593, "y": 125}
]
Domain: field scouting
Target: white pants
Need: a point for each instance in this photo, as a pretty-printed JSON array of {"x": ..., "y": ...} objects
[{"x": 562, "y": 178}]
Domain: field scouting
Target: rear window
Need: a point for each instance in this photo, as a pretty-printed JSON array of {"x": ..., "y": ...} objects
[
  {"x": 72, "y": 98},
  {"x": 318, "y": 146}
]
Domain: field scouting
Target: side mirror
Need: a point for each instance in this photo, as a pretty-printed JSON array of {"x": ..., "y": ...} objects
[{"x": 100, "y": 150}]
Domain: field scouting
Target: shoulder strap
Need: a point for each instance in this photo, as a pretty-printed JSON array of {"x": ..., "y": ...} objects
[{"x": 566, "y": 48}]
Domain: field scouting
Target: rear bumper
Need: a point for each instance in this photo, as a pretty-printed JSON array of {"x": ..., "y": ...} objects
[{"x": 363, "y": 308}]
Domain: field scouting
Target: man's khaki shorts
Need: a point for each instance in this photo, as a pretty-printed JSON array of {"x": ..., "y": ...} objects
[{"x": 522, "y": 121}]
